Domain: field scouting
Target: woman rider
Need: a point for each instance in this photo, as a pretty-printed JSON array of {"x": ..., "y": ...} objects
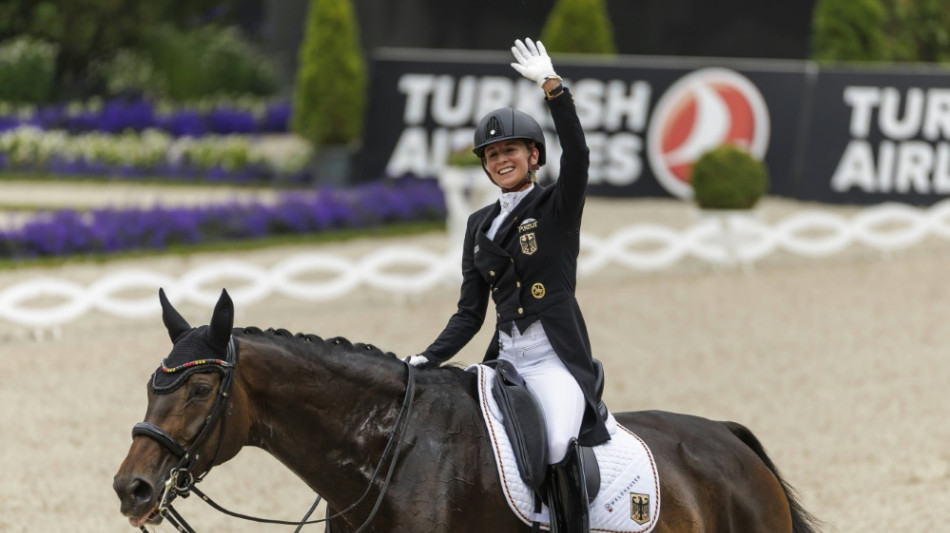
[{"x": 522, "y": 250}]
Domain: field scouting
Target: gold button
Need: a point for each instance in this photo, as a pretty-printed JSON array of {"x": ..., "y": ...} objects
[
  {"x": 520, "y": 310},
  {"x": 537, "y": 290},
  {"x": 491, "y": 273},
  {"x": 518, "y": 284},
  {"x": 512, "y": 260}
]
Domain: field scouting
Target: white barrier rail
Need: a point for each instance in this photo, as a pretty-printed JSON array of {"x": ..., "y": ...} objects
[
  {"x": 732, "y": 239},
  {"x": 735, "y": 238}
]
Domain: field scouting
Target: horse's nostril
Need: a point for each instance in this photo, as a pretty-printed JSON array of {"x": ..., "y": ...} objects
[{"x": 141, "y": 490}]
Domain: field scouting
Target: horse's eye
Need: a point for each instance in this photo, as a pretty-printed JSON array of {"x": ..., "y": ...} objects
[{"x": 201, "y": 391}]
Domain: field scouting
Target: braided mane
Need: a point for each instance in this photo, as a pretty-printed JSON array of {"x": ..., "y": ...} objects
[
  {"x": 314, "y": 346},
  {"x": 310, "y": 343}
]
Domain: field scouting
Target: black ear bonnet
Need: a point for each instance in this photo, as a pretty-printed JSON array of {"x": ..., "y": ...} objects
[
  {"x": 208, "y": 348},
  {"x": 193, "y": 353}
]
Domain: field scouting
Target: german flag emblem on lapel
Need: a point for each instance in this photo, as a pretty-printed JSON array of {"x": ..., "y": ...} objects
[{"x": 529, "y": 244}]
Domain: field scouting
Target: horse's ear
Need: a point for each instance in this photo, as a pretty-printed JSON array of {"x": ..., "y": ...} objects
[
  {"x": 174, "y": 322},
  {"x": 222, "y": 320}
]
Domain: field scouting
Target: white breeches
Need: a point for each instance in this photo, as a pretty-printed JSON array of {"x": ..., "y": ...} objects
[{"x": 561, "y": 397}]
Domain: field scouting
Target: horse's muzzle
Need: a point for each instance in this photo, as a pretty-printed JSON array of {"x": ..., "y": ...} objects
[{"x": 138, "y": 499}]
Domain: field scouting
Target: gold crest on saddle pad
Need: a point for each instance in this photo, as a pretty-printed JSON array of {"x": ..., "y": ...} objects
[
  {"x": 529, "y": 244},
  {"x": 639, "y": 507}
]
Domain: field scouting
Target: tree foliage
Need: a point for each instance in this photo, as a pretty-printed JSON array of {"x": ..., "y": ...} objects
[
  {"x": 329, "y": 96},
  {"x": 881, "y": 30},
  {"x": 920, "y": 30},
  {"x": 27, "y": 68},
  {"x": 849, "y": 30},
  {"x": 208, "y": 60},
  {"x": 88, "y": 30},
  {"x": 579, "y": 26}
]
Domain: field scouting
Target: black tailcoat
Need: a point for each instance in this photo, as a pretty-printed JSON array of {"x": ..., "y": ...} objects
[{"x": 530, "y": 269}]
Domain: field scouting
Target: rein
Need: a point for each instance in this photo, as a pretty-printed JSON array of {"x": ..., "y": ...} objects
[{"x": 181, "y": 481}]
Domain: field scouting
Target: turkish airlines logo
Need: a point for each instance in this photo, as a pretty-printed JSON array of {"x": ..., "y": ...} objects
[{"x": 703, "y": 110}]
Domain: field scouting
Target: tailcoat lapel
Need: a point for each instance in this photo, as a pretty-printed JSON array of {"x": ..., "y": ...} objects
[{"x": 481, "y": 235}]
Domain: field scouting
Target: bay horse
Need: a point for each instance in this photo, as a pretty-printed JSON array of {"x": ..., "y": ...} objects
[{"x": 396, "y": 448}]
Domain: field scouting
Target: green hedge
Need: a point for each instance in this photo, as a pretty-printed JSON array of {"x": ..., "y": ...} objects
[
  {"x": 207, "y": 61},
  {"x": 27, "y": 70},
  {"x": 89, "y": 32},
  {"x": 849, "y": 30},
  {"x": 921, "y": 30},
  {"x": 881, "y": 30},
  {"x": 578, "y": 26}
]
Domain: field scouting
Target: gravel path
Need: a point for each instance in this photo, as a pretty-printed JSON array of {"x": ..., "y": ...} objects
[
  {"x": 88, "y": 194},
  {"x": 19, "y": 198}
]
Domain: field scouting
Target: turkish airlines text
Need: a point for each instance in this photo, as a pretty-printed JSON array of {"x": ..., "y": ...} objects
[{"x": 441, "y": 110}]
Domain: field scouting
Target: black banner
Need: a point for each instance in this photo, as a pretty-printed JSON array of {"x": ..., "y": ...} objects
[
  {"x": 829, "y": 135},
  {"x": 879, "y": 135}
]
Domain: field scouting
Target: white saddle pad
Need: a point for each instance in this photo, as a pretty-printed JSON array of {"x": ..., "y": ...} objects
[{"x": 629, "y": 498}]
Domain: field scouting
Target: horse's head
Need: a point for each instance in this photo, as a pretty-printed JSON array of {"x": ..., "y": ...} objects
[{"x": 182, "y": 436}]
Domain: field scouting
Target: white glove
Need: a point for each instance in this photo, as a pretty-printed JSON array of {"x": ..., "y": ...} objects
[
  {"x": 417, "y": 360},
  {"x": 533, "y": 61}
]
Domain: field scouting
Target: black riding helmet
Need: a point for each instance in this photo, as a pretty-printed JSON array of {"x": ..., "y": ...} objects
[{"x": 508, "y": 123}]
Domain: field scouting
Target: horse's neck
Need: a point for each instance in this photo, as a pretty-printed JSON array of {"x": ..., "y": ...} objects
[{"x": 327, "y": 418}]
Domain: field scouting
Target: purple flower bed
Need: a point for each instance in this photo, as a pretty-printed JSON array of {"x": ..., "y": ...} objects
[
  {"x": 104, "y": 231},
  {"x": 117, "y": 116}
]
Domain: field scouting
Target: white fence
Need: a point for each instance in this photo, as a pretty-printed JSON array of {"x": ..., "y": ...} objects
[
  {"x": 738, "y": 239},
  {"x": 731, "y": 239}
]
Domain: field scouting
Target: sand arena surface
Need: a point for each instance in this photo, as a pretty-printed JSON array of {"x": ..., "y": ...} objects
[{"x": 839, "y": 366}]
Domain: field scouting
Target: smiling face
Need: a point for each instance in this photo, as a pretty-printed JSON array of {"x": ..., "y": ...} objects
[{"x": 508, "y": 162}]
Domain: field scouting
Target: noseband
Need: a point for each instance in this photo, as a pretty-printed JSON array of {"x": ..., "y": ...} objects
[{"x": 181, "y": 481}]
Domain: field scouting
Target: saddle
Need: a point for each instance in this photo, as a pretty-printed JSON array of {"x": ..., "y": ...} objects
[{"x": 525, "y": 427}]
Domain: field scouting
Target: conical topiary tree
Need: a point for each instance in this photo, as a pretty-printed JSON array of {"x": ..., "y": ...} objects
[
  {"x": 579, "y": 26},
  {"x": 329, "y": 94}
]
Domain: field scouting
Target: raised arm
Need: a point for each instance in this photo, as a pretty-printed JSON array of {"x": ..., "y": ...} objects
[{"x": 533, "y": 62}]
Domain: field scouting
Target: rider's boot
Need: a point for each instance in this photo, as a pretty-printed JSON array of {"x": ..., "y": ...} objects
[{"x": 567, "y": 493}]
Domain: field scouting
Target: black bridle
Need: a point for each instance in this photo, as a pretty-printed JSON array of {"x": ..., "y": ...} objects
[{"x": 181, "y": 481}]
